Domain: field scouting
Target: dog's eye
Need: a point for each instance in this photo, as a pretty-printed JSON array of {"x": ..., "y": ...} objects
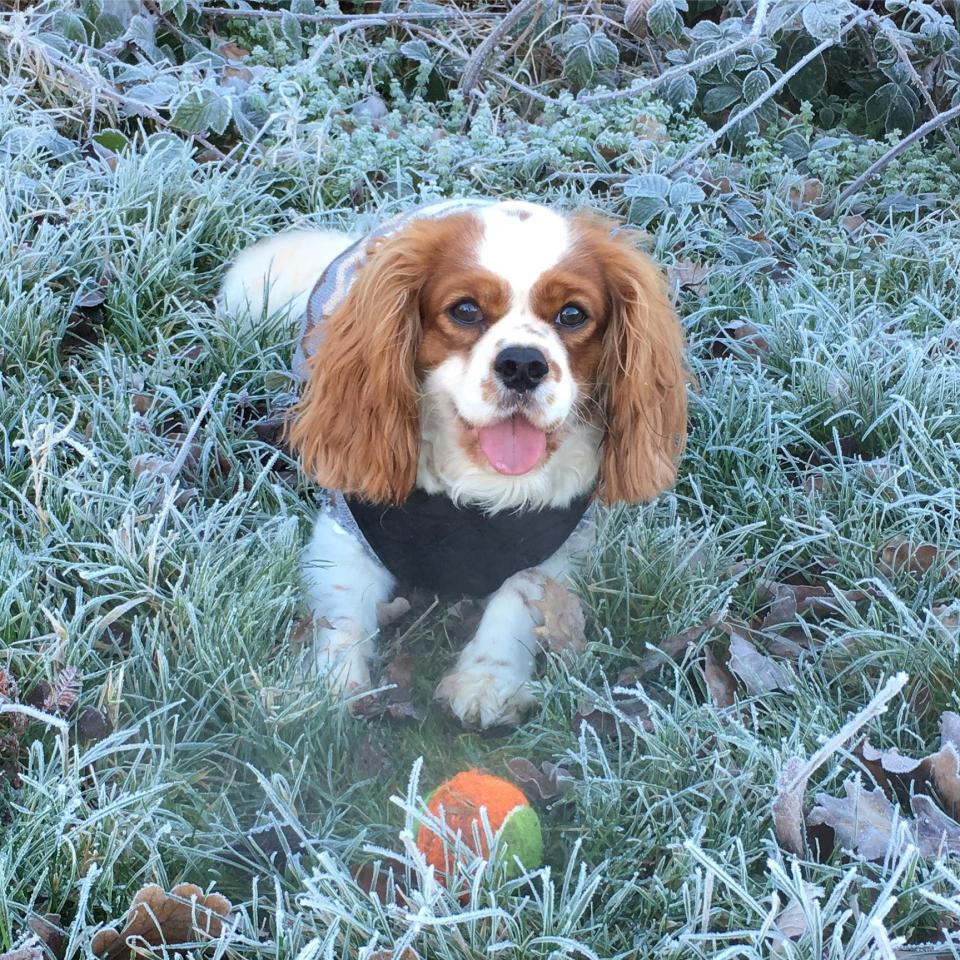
[
  {"x": 571, "y": 316},
  {"x": 466, "y": 313}
]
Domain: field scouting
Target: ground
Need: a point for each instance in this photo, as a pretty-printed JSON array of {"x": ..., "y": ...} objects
[{"x": 151, "y": 575}]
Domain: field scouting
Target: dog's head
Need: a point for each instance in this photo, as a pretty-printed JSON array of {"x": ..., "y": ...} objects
[{"x": 488, "y": 352}]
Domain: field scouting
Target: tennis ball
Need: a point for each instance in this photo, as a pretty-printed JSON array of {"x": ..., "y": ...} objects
[{"x": 459, "y": 801}]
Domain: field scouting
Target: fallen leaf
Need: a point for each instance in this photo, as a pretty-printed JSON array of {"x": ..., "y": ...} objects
[
  {"x": 463, "y": 618},
  {"x": 276, "y": 843},
  {"x": 751, "y": 342},
  {"x": 388, "y": 613},
  {"x": 48, "y": 928},
  {"x": 790, "y": 601},
  {"x": 904, "y": 556},
  {"x": 948, "y": 614},
  {"x": 791, "y": 922},
  {"x": 563, "y": 628},
  {"x": 63, "y": 693},
  {"x": 809, "y": 192},
  {"x": 906, "y": 775},
  {"x": 863, "y": 820},
  {"x": 232, "y": 51},
  {"x": 720, "y": 682},
  {"x": 852, "y": 222},
  {"x": 377, "y": 879},
  {"x": 787, "y": 807},
  {"x": 605, "y": 723},
  {"x": 184, "y": 915},
  {"x": 29, "y": 951},
  {"x": 758, "y": 672},
  {"x": 674, "y": 647},
  {"x": 396, "y": 702},
  {"x": 92, "y": 724},
  {"x": 937, "y": 834},
  {"x": 406, "y": 954},
  {"x": 685, "y": 274},
  {"x": 549, "y": 780}
]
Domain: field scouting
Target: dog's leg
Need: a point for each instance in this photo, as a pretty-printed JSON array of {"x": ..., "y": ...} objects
[
  {"x": 491, "y": 684},
  {"x": 343, "y": 585}
]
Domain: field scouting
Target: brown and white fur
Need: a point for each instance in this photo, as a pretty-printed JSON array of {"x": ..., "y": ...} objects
[{"x": 401, "y": 393}]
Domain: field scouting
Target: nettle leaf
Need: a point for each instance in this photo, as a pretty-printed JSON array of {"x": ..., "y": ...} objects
[
  {"x": 744, "y": 129},
  {"x": 140, "y": 31},
  {"x": 682, "y": 91},
  {"x": 155, "y": 93},
  {"x": 895, "y": 106},
  {"x": 69, "y": 25},
  {"x": 108, "y": 26},
  {"x": 649, "y": 185},
  {"x": 808, "y": 84},
  {"x": 720, "y": 98},
  {"x": 309, "y": 7},
  {"x": 661, "y": 16},
  {"x": 644, "y": 209},
  {"x": 755, "y": 85},
  {"x": 292, "y": 32},
  {"x": 202, "y": 110},
  {"x": 418, "y": 50},
  {"x": 587, "y": 53},
  {"x": 684, "y": 193}
]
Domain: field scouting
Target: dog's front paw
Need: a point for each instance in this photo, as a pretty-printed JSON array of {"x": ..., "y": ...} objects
[
  {"x": 486, "y": 694},
  {"x": 341, "y": 659}
]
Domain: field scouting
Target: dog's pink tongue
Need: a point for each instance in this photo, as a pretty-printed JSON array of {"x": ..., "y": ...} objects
[{"x": 513, "y": 446}]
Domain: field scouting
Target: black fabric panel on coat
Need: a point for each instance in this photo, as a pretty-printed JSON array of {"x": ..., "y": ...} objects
[{"x": 430, "y": 543}]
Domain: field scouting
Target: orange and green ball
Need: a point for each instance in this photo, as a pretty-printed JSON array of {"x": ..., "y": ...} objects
[{"x": 509, "y": 814}]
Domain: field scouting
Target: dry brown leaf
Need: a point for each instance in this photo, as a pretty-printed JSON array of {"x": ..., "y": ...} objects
[
  {"x": 406, "y": 954},
  {"x": 673, "y": 648},
  {"x": 685, "y": 274},
  {"x": 29, "y": 951},
  {"x": 790, "y": 601},
  {"x": 852, "y": 222},
  {"x": 388, "y": 613},
  {"x": 605, "y": 723},
  {"x": 791, "y": 921},
  {"x": 397, "y": 702},
  {"x": 753, "y": 343},
  {"x": 549, "y": 780},
  {"x": 904, "y": 556},
  {"x": 863, "y": 820},
  {"x": 48, "y": 928},
  {"x": 810, "y": 192},
  {"x": 758, "y": 672},
  {"x": 232, "y": 51},
  {"x": 720, "y": 682},
  {"x": 184, "y": 915},
  {"x": 906, "y": 775},
  {"x": 563, "y": 628},
  {"x": 63, "y": 693},
  {"x": 787, "y": 807},
  {"x": 937, "y": 834},
  {"x": 948, "y": 614}
]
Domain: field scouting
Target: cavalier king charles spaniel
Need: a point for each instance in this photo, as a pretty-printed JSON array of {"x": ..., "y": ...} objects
[{"x": 476, "y": 375}]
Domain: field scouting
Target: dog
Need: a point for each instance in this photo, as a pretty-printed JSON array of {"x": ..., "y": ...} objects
[{"x": 477, "y": 374}]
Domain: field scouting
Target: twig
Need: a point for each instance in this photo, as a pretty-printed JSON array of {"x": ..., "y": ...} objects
[
  {"x": 771, "y": 91},
  {"x": 684, "y": 68},
  {"x": 473, "y": 69},
  {"x": 400, "y": 17},
  {"x": 61, "y": 725},
  {"x": 890, "y": 31},
  {"x": 932, "y": 124}
]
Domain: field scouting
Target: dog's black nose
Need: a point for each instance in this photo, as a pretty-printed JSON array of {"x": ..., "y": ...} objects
[{"x": 520, "y": 368}]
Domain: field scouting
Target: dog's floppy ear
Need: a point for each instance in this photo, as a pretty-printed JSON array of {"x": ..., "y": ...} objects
[
  {"x": 356, "y": 426},
  {"x": 642, "y": 379}
]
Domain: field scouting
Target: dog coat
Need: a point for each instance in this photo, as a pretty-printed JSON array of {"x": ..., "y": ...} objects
[{"x": 428, "y": 542}]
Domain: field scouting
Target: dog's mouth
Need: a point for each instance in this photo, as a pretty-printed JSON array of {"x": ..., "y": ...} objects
[{"x": 513, "y": 446}]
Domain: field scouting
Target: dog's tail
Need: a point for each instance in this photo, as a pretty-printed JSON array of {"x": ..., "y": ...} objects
[{"x": 279, "y": 273}]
